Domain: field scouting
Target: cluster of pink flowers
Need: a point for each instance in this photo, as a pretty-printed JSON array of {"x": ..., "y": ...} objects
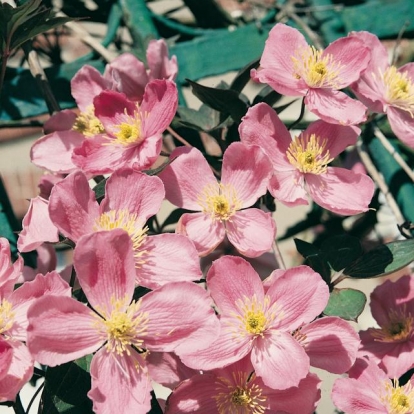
[{"x": 234, "y": 343}]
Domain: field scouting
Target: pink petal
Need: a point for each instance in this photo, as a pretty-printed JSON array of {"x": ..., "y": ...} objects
[
  {"x": 368, "y": 374},
  {"x": 185, "y": 178},
  {"x": 288, "y": 187},
  {"x": 251, "y": 231},
  {"x": 53, "y": 152},
  {"x": 119, "y": 381},
  {"x": 60, "y": 121},
  {"x": 248, "y": 170},
  {"x": 105, "y": 267},
  {"x": 6, "y": 356},
  {"x": 47, "y": 182},
  {"x": 230, "y": 279},
  {"x": 205, "y": 233},
  {"x": 279, "y": 360},
  {"x": 37, "y": 226},
  {"x": 301, "y": 294},
  {"x": 72, "y": 206},
  {"x": 335, "y": 107},
  {"x": 168, "y": 258},
  {"x": 9, "y": 272},
  {"x": 60, "y": 330},
  {"x": 146, "y": 153},
  {"x": 331, "y": 344},
  {"x": 341, "y": 191},
  {"x": 261, "y": 126},
  {"x": 135, "y": 192},
  {"x": 402, "y": 124},
  {"x": 161, "y": 67},
  {"x": 181, "y": 318}
]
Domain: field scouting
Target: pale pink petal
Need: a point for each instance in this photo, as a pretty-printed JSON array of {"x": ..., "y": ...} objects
[
  {"x": 205, "y": 233},
  {"x": 105, "y": 267},
  {"x": 335, "y": 107},
  {"x": 289, "y": 188},
  {"x": 159, "y": 106},
  {"x": 119, "y": 381},
  {"x": 144, "y": 155},
  {"x": 185, "y": 178},
  {"x": 37, "y": 226},
  {"x": 9, "y": 272},
  {"x": 230, "y": 279},
  {"x": 247, "y": 170},
  {"x": 18, "y": 374},
  {"x": 168, "y": 258},
  {"x": 279, "y": 360},
  {"x": 28, "y": 292},
  {"x": 61, "y": 329},
  {"x": 60, "y": 121},
  {"x": 195, "y": 395},
  {"x": 251, "y": 231},
  {"x": 402, "y": 124},
  {"x": 341, "y": 191},
  {"x": 135, "y": 192},
  {"x": 47, "y": 182},
  {"x": 6, "y": 356},
  {"x": 331, "y": 344},
  {"x": 160, "y": 66},
  {"x": 86, "y": 84},
  {"x": 302, "y": 399},
  {"x": 261, "y": 126},
  {"x": 53, "y": 152},
  {"x": 181, "y": 318},
  {"x": 73, "y": 207},
  {"x": 46, "y": 258},
  {"x": 368, "y": 374},
  {"x": 301, "y": 295},
  {"x": 352, "y": 58}
]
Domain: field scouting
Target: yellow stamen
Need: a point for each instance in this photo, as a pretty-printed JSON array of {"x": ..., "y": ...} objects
[
  {"x": 316, "y": 70},
  {"x": 129, "y": 131},
  {"x": 398, "y": 400},
  {"x": 220, "y": 201},
  {"x": 88, "y": 124},
  {"x": 6, "y": 316},
  {"x": 309, "y": 154}
]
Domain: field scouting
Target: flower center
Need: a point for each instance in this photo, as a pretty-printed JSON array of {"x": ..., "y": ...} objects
[
  {"x": 220, "y": 201},
  {"x": 316, "y": 70},
  {"x": 129, "y": 131},
  {"x": 6, "y": 316},
  {"x": 123, "y": 328},
  {"x": 240, "y": 396},
  {"x": 308, "y": 154},
  {"x": 398, "y": 400},
  {"x": 399, "y": 89},
  {"x": 123, "y": 219},
  {"x": 399, "y": 328},
  {"x": 88, "y": 124}
]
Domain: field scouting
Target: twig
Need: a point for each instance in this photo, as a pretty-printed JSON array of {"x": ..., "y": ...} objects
[
  {"x": 377, "y": 177},
  {"x": 178, "y": 137},
  {"x": 34, "y": 397},
  {"x": 398, "y": 41},
  {"x": 278, "y": 255},
  {"x": 393, "y": 152}
]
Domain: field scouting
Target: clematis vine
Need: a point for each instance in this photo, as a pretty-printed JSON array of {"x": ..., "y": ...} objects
[
  {"x": 116, "y": 328},
  {"x": 301, "y": 165},
  {"x": 294, "y": 68},
  {"x": 221, "y": 208}
]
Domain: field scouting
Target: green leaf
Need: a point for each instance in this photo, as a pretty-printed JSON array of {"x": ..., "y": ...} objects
[
  {"x": 204, "y": 119},
  {"x": 269, "y": 96},
  {"x": 66, "y": 388},
  {"x": 341, "y": 250},
  {"x": 173, "y": 217},
  {"x": 346, "y": 303},
  {"x": 99, "y": 189},
  {"x": 226, "y": 101},
  {"x": 383, "y": 260},
  {"x": 243, "y": 76}
]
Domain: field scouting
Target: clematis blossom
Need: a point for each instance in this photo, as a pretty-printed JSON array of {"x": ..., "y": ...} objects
[
  {"x": 300, "y": 165},
  {"x": 237, "y": 389},
  {"x": 221, "y": 208},
  {"x": 392, "y": 344},
  {"x": 384, "y": 88},
  {"x": 368, "y": 390},
  {"x": 259, "y": 323},
  {"x": 118, "y": 330},
  {"x": 131, "y": 198},
  {"x": 294, "y": 68}
]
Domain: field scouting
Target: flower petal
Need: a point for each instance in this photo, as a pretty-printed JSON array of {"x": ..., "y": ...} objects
[
  {"x": 402, "y": 124},
  {"x": 288, "y": 187}
]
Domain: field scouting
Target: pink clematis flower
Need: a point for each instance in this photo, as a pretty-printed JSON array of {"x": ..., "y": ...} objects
[
  {"x": 260, "y": 324},
  {"x": 237, "y": 389},
  {"x": 176, "y": 317},
  {"x": 300, "y": 166},
  {"x": 392, "y": 344},
  {"x": 384, "y": 88},
  {"x": 222, "y": 208},
  {"x": 368, "y": 390},
  {"x": 133, "y": 132},
  {"x": 131, "y": 197},
  {"x": 294, "y": 68}
]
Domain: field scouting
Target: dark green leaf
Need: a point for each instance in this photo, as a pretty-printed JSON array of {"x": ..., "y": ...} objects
[
  {"x": 203, "y": 119},
  {"x": 99, "y": 189},
  {"x": 383, "y": 260},
  {"x": 348, "y": 304},
  {"x": 267, "y": 95},
  {"x": 226, "y": 101},
  {"x": 341, "y": 250},
  {"x": 66, "y": 388},
  {"x": 243, "y": 77},
  {"x": 173, "y": 217}
]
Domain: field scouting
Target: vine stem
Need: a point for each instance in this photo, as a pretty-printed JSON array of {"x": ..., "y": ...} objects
[
  {"x": 178, "y": 137},
  {"x": 34, "y": 397},
  {"x": 278, "y": 256},
  {"x": 301, "y": 115},
  {"x": 18, "y": 406}
]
